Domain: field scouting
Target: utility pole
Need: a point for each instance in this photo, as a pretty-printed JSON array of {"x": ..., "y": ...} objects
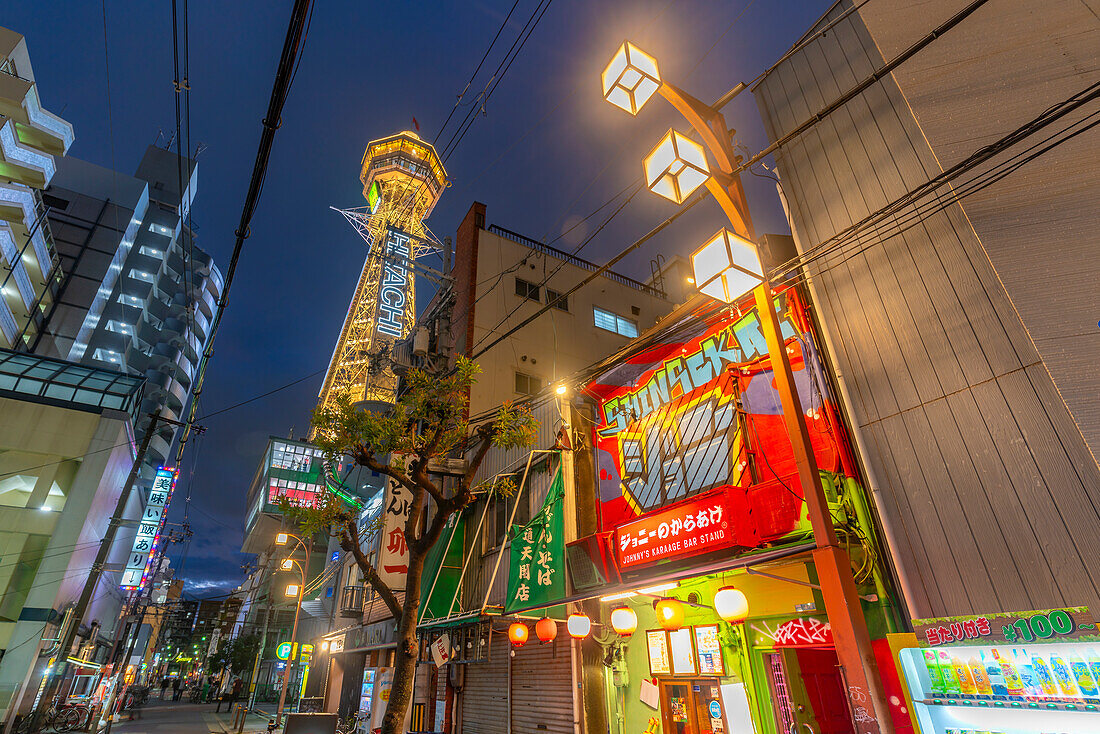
[{"x": 95, "y": 573}]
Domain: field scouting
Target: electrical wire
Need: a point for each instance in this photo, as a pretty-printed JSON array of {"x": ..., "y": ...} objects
[
  {"x": 473, "y": 76},
  {"x": 498, "y": 76},
  {"x": 998, "y": 172}
]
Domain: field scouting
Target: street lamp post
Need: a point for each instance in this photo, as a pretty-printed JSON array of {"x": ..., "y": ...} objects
[
  {"x": 728, "y": 267},
  {"x": 292, "y": 590}
]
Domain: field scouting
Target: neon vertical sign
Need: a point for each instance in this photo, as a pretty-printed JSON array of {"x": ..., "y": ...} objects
[
  {"x": 395, "y": 284},
  {"x": 147, "y": 540}
]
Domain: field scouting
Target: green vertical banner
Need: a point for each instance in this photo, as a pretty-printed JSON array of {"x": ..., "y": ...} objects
[
  {"x": 536, "y": 564},
  {"x": 447, "y": 559}
]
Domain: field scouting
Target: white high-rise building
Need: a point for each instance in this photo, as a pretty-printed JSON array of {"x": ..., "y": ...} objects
[{"x": 130, "y": 300}]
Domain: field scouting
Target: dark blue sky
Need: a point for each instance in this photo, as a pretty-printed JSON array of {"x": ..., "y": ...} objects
[{"x": 368, "y": 68}]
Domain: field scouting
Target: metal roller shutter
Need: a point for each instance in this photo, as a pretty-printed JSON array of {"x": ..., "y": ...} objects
[
  {"x": 485, "y": 691},
  {"x": 542, "y": 690}
]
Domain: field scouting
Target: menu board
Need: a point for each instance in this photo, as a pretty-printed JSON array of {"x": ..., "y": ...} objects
[
  {"x": 709, "y": 650},
  {"x": 657, "y": 643},
  {"x": 683, "y": 653}
]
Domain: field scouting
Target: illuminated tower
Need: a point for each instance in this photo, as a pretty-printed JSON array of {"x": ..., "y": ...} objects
[{"x": 402, "y": 179}]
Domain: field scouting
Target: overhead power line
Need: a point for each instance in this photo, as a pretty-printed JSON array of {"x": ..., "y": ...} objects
[
  {"x": 271, "y": 122},
  {"x": 696, "y": 198},
  {"x": 859, "y": 88}
]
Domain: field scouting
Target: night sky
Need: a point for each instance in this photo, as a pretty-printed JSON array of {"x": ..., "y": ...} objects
[{"x": 548, "y": 151}]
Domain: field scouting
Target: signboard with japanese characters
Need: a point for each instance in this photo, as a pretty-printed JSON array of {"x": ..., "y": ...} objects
[
  {"x": 536, "y": 569},
  {"x": 393, "y": 556},
  {"x": 700, "y": 525},
  {"x": 147, "y": 536},
  {"x": 696, "y": 409},
  {"x": 1014, "y": 628}
]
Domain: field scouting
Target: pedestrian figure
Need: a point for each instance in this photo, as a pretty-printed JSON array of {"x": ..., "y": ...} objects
[
  {"x": 206, "y": 688},
  {"x": 163, "y": 687},
  {"x": 230, "y": 696}
]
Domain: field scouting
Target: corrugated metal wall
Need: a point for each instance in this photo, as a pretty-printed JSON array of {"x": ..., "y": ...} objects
[
  {"x": 983, "y": 478},
  {"x": 542, "y": 690},
  {"x": 540, "y": 700},
  {"x": 485, "y": 691}
]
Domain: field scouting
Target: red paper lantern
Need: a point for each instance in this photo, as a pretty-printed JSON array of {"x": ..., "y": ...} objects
[
  {"x": 670, "y": 613},
  {"x": 517, "y": 633},
  {"x": 546, "y": 629}
]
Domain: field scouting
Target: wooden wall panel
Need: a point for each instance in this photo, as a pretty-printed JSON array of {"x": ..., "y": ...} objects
[{"x": 981, "y": 474}]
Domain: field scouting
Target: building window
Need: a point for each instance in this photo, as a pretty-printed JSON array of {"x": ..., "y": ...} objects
[
  {"x": 557, "y": 300},
  {"x": 611, "y": 322},
  {"x": 527, "y": 384},
  {"x": 530, "y": 291}
]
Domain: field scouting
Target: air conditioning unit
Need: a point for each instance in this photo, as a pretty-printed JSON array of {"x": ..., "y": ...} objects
[{"x": 591, "y": 564}]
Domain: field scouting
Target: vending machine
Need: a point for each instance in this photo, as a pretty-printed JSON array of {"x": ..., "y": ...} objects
[{"x": 1032, "y": 672}]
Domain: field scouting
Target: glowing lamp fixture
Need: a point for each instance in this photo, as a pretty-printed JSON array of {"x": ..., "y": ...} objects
[
  {"x": 560, "y": 389},
  {"x": 676, "y": 167},
  {"x": 670, "y": 613},
  {"x": 546, "y": 629},
  {"x": 631, "y": 78},
  {"x": 287, "y": 564},
  {"x": 579, "y": 626},
  {"x": 731, "y": 604},
  {"x": 727, "y": 266},
  {"x": 324, "y": 645},
  {"x": 624, "y": 621},
  {"x": 517, "y": 633},
  {"x": 281, "y": 539},
  {"x": 292, "y": 590}
]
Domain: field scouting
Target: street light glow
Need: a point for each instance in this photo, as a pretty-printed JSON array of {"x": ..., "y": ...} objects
[
  {"x": 676, "y": 167},
  {"x": 281, "y": 539},
  {"x": 292, "y": 590},
  {"x": 630, "y": 78},
  {"x": 727, "y": 266},
  {"x": 287, "y": 564}
]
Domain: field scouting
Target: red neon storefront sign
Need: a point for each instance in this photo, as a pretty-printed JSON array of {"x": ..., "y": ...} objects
[{"x": 700, "y": 525}]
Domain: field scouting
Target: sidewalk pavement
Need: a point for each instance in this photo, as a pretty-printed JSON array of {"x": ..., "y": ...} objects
[{"x": 182, "y": 717}]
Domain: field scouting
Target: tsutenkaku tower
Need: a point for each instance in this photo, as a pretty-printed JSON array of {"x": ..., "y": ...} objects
[{"x": 402, "y": 179}]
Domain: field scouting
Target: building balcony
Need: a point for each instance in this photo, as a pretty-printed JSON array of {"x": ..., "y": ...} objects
[
  {"x": 351, "y": 601},
  {"x": 19, "y": 99}
]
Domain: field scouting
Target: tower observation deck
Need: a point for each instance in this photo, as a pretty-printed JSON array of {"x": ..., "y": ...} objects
[{"x": 402, "y": 179}]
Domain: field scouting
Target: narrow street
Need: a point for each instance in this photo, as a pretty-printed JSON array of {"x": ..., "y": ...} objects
[{"x": 181, "y": 717}]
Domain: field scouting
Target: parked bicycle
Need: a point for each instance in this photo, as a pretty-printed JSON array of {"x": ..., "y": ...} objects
[
  {"x": 350, "y": 724},
  {"x": 59, "y": 717}
]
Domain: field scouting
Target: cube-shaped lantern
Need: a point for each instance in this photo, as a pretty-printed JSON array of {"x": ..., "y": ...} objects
[
  {"x": 676, "y": 167},
  {"x": 727, "y": 266},
  {"x": 631, "y": 78}
]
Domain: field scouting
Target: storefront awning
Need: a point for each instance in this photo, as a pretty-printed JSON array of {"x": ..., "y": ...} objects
[{"x": 744, "y": 561}]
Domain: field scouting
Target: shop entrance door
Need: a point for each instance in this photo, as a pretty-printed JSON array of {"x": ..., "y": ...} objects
[
  {"x": 689, "y": 707},
  {"x": 825, "y": 690}
]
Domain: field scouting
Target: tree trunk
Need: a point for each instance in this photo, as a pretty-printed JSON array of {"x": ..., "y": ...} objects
[{"x": 405, "y": 658}]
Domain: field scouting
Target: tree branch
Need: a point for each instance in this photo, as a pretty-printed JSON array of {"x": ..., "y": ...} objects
[
  {"x": 435, "y": 530},
  {"x": 485, "y": 433},
  {"x": 349, "y": 541},
  {"x": 366, "y": 458}
]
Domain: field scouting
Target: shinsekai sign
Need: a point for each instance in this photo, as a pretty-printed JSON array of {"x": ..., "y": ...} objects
[{"x": 536, "y": 568}]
